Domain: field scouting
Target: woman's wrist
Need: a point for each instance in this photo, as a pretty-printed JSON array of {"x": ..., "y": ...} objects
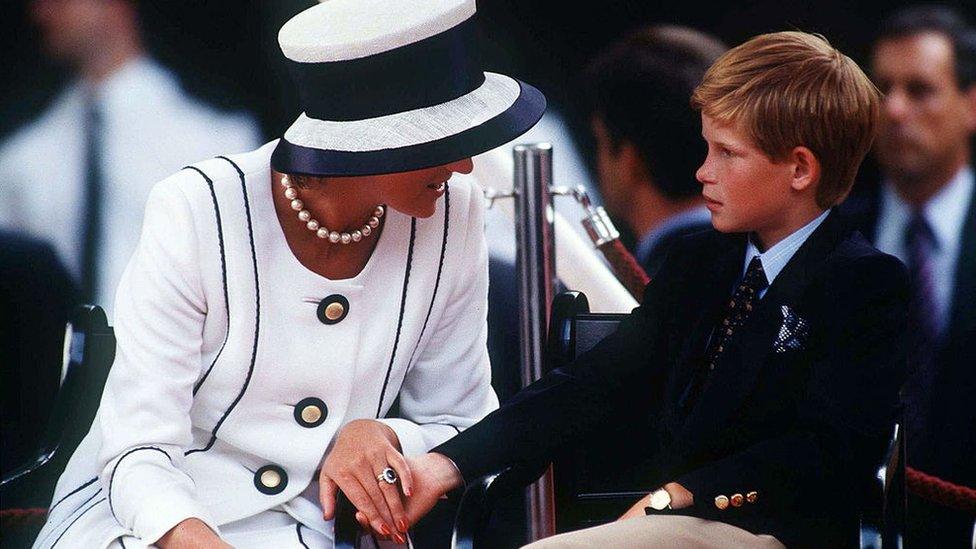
[{"x": 355, "y": 428}]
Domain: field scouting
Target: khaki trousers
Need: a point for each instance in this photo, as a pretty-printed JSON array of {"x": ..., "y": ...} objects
[{"x": 660, "y": 531}]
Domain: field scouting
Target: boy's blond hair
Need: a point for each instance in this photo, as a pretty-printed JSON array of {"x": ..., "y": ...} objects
[{"x": 790, "y": 89}]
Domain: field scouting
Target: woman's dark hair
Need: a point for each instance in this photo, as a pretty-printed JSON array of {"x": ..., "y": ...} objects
[{"x": 640, "y": 87}]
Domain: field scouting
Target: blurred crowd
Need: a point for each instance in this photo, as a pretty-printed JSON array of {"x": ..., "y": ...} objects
[{"x": 75, "y": 176}]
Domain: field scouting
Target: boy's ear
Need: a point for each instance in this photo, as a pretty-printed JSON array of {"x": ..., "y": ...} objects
[{"x": 806, "y": 169}]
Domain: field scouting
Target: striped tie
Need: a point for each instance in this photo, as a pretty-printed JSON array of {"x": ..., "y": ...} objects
[
  {"x": 923, "y": 330},
  {"x": 93, "y": 202}
]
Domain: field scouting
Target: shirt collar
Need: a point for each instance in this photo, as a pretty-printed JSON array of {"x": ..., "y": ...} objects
[
  {"x": 775, "y": 258},
  {"x": 693, "y": 216}
]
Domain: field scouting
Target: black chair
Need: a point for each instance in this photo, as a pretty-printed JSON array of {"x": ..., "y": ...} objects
[
  {"x": 25, "y": 491},
  {"x": 586, "y": 496},
  {"x": 90, "y": 350}
]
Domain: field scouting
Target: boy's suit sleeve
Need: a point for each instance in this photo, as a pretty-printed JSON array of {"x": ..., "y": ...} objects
[
  {"x": 570, "y": 402},
  {"x": 845, "y": 417}
]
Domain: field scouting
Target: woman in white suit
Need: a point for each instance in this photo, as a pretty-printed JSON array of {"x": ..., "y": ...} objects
[{"x": 281, "y": 300}]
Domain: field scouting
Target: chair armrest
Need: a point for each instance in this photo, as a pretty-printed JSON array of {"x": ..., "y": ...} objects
[
  {"x": 480, "y": 496},
  {"x": 883, "y": 506}
]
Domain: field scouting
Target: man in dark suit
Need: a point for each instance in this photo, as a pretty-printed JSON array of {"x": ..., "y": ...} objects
[
  {"x": 648, "y": 141},
  {"x": 767, "y": 354},
  {"x": 924, "y": 212}
]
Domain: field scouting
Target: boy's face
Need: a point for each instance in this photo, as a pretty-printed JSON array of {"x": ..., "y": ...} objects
[{"x": 743, "y": 188}]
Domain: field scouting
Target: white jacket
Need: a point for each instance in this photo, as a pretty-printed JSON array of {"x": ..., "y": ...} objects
[{"x": 221, "y": 349}]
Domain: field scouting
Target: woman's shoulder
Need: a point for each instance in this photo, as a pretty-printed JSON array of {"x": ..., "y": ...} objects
[{"x": 200, "y": 182}]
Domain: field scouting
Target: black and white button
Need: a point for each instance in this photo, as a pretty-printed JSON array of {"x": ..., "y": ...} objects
[
  {"x": 333, "y": 309},
  {"x": 311, "y": 412},
  {"x": 270, "y": 480}
]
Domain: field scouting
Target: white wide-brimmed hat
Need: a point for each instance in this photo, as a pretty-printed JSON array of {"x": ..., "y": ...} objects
[{"x": 393, "y": 86}]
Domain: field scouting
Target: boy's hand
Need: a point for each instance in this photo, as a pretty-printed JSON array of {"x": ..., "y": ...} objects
[
  {"x": 680, "y": 498},
  {"x": 434, "y": 475}
]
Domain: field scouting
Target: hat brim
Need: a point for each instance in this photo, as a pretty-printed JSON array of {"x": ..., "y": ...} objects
[{"x": 467, "y": 141}]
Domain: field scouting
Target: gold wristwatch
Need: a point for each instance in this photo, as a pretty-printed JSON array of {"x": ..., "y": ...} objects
[{"x": 660, "y": 499}]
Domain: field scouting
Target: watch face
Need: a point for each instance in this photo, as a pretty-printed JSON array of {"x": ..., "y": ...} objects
[{"x": 660, "y": 499}]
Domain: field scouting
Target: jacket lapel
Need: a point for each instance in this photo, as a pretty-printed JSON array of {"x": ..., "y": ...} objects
[
  {"x": 962, "y": 319},
  {"x": 736, "y": 372},
  {"x": 722, "y": 266}
]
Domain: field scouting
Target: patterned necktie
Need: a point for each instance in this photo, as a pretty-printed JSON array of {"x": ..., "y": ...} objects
[
  {"x": 93, "y": 202},
  {"x": 923, "y": 329},
  {"x": 737, "y": 311},
  {"x": 739, "y": 308}
]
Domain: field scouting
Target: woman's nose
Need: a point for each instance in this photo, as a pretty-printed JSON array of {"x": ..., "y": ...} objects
[{"x": 462, "y": 166}]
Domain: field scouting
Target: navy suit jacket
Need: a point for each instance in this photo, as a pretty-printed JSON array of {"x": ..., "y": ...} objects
[
  {"x": 802, "y": 428},
  {"x": 946, "y": 449}
]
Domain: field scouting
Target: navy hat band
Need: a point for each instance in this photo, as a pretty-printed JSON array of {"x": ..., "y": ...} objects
[{"x": 429, "y": 72}]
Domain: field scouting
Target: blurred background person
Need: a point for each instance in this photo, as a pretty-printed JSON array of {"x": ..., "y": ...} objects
[
  {"x": 648, "y": 139},
  {"x": 924, "y": 212},
  {"x": 78, "y": 175}
]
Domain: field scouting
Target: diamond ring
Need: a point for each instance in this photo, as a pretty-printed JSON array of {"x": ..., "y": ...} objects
[{"x": 388, "y": 476}]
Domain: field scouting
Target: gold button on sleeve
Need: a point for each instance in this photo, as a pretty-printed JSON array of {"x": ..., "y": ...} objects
[
  {"x": 752, "y": 497},
  {"x": 737, "y": 500},
  {"x": 722, "y": 502}
]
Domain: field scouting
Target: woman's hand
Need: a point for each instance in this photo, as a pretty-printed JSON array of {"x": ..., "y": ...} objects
[
  {"x": 680, "y": 498},
  {"x": 364, "y": 448},
  {"x": 191, "y": 533}
]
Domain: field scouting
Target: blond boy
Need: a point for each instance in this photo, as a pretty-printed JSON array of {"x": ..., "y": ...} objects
[{"x": 766, "y": 352}]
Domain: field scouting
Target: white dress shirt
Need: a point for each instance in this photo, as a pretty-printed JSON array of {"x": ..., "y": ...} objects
[
  {"x": 945, "y": 213},
  {"x": 151, "y": 129},
  {"x": 774, "y": 259}
]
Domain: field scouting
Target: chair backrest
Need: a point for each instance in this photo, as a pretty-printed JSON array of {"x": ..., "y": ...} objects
[
  {"x": 593, "y": 482},
  {"x": 90, "y": 351},
  {"x": 27, "y": 490}
]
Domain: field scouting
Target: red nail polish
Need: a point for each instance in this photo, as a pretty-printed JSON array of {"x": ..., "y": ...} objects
[{"x": 385, "y": 530}]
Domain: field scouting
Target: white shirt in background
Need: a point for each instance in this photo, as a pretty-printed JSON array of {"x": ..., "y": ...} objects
[{"x": 151, "y": 129}]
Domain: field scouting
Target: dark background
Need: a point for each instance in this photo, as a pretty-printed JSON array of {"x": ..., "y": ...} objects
[{"x": 226, "y": 51}]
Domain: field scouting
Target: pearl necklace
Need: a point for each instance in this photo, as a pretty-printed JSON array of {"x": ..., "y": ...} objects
[{"x": 335, "y": 237}]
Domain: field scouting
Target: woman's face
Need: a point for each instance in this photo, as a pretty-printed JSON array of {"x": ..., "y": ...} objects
[{"x": 416, "y": 193}]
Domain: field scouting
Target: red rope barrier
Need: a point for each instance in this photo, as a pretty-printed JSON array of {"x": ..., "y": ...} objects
[
  {"x": 940, "y": 491},
  {"x": 18, "y": 518},
  {"x": 627, "y": 269}
]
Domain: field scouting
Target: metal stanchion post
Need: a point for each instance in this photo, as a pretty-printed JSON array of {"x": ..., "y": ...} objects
[{"x": 536, "y": 267}]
